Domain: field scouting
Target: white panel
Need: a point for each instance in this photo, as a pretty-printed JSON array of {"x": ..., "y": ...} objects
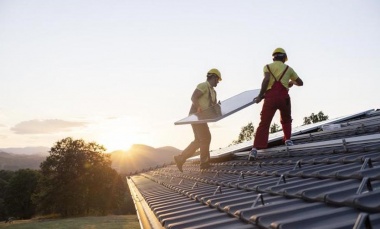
[
  {"x": 246, "y": 146},
  {"x": 222, "y": 110}
]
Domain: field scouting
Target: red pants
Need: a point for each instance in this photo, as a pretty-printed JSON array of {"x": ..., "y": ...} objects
[{"x": 270, "y": 106}]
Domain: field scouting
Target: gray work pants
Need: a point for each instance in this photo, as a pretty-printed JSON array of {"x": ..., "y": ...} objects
[{"x": 202, "y": 140}]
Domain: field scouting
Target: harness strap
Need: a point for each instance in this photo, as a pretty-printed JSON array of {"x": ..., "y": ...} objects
[{"x": 283, "y": 73}]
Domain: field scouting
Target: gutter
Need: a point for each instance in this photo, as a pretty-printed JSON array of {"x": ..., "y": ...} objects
[{"x": 147, "y": 218}]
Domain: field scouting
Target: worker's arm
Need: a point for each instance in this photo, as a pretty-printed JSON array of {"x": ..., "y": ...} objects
[
  {"x": 297, "y": 82},
  {"x": 195, "y": 99},
  {"x": 264, "y": 86}
]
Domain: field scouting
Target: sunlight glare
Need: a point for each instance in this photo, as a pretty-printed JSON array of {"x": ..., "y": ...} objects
[
  {"x": 117, "y": 134},
  {"x": 116, "y": 141}
]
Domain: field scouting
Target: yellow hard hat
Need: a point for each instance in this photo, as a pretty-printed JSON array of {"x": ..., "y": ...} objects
[
  {"x": 280, "y": 50},
  {"x": 216, "y": 72}
]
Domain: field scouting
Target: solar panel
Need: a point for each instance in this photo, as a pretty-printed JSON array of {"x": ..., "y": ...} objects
[
  {"x": 222, "y": 110},
  {"x": 247, "y": 145}
]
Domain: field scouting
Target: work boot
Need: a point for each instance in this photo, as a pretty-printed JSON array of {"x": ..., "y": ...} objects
[
  {"x": 252, "y": 155},
  {"x": 179, "y": 162},
  {"x": 289, "y": 143}
]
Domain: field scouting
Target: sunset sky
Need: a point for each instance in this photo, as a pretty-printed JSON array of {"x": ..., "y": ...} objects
[{"x": 121, "y": 72}]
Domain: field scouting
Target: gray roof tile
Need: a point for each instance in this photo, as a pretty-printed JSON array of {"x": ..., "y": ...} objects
[{"x": 329, "y": 179}]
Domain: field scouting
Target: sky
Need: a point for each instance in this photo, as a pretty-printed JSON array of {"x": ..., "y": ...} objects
[{"x": 121, "y": 72}]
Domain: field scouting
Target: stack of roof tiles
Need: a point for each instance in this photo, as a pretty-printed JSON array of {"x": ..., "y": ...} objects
[{"x": 328, "y": 179}]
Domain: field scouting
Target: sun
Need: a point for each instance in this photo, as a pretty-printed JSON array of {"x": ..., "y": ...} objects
[
  {"x": 116, "y": 141},
  {"x": 117, "y": 133}
]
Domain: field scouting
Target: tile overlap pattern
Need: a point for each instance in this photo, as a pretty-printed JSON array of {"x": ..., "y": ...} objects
[{"x": 327, "y": 185}]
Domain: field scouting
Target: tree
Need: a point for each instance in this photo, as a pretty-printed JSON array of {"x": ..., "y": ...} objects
[
  {"x": 314, "y": 118},
  {"x": 246, "y": 134},
  {"x": 18, "y": 195},
  {"x": 5, "y": 177},
  {"x": 77, "y": 179},
  {"x": 128, "y": 206},
  {"x": 274, "y": 128}
]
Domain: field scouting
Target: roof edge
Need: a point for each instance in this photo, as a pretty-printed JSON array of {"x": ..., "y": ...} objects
[{"x": 147, "y": 218}]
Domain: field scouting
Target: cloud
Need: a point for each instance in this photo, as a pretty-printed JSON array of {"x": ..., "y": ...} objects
[{"x": 47, "y": 126}]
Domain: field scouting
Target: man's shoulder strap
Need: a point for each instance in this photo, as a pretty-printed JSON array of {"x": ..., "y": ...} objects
[
  {"x": 283, "y": 73},
  {"x": 271, "y": 72}
]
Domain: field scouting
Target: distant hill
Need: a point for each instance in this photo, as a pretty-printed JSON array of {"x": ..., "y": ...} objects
[
  {"x": 11, "y": 161},
  {"x": 137, "y": 158},
  {"x": 27, "y": 150},
  {"x": 140, "y": 157}
]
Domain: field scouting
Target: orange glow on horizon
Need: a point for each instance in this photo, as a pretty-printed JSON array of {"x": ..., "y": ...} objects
[{"x": 116, "y": 141}]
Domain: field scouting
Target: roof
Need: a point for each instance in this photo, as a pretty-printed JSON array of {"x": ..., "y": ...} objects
[{"x": 330, "y": 178}]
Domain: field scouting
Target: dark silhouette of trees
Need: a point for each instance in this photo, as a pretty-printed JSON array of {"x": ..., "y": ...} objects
[
  {"x": 274, "y": 128},
  {"x": 127, "y": 206},
  {"x": 246, "y": 134},
  {"x": 5, "y": 177},
  {"x": 77, "y": 179},
  {"x": 18, "y": 194},
  {"x": 314, "y": 118}
]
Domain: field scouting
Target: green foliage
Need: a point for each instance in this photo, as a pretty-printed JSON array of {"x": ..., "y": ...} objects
[
  {"x": 274, "y": 128},
  {"x": 5, "y": 177},
  {"x": 246, "y": 134},
  {"x": 90, "y": 222},
  {"x": 77, "y": 179},
  {"x": 127, "y": 206},
  {"x": 314, "y": 118},
  {"x": 18, "y": 195}
]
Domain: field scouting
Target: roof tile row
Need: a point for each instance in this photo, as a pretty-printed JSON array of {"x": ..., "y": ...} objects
[{"x": 329, "y": 183}]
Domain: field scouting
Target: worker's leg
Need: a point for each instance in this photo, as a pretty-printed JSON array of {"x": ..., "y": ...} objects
[
  {"x": 262, "y": 133},
  {"x": 189, "y": 151},
  {"x": 286, "y": 117},
  {"x": 204, "y": 137}
]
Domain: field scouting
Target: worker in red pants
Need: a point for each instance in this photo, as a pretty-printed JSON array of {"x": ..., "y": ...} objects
[{"x": 278, "y": 78}]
